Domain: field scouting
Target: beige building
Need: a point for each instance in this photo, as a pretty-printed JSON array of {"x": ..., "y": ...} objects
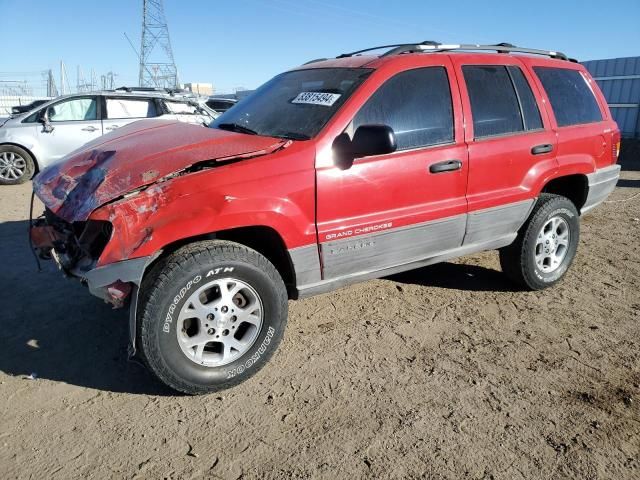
[{"x": 205, "y": 89}]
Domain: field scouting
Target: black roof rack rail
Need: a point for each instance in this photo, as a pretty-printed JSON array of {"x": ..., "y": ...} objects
[
  {"x": 498, "y": 47},
  {"x": 357, "y": 52},
  {"x": 170, "y": 91}
]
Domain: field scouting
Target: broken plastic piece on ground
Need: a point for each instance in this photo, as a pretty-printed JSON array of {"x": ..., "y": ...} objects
[
  {"x": 118, "y": 292},
  {"x": 32, "y": 376}
]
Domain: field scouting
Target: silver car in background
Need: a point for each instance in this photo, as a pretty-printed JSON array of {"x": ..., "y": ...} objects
[{"x": 43, "y": 136}]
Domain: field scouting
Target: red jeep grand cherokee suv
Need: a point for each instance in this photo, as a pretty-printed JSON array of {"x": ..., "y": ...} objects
[{"x": 335, "y": 172}]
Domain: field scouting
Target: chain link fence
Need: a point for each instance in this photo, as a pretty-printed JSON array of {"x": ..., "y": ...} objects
[{"x": 22, "y": 88}]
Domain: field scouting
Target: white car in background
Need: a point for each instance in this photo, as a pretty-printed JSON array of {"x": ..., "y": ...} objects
[{"x": 43, "y": 136}]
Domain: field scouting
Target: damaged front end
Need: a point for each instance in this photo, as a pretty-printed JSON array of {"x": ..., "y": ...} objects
[
  {"x": 75, "y": 248},
  {"x": 104, "y": 201}
]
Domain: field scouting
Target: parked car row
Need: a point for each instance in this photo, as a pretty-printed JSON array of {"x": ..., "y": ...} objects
[
  {"x": 42, "y": 136},
  {"x": 335, "y": 172}
]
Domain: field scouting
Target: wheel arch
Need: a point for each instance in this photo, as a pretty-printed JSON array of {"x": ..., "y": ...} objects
[
  {"x": 261, "y": 238},
  {"x": 575, "y": 187}
]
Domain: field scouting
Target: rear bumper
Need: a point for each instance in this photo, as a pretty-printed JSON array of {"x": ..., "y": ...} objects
[{"x": 601, "y": 184}]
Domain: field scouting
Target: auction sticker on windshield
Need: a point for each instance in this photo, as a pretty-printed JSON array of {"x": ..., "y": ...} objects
[{"x": 317, "y": 98}]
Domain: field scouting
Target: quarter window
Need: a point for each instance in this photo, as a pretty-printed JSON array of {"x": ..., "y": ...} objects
[
  {"x": 416, "y": 104},
  {"x": 571, "y": 98},
  {"x": 130, "y": 108},
  {"x": 77, "y": 109},
  {"x": 181, "y": 108},
  {"x": 528, "y": 104}
]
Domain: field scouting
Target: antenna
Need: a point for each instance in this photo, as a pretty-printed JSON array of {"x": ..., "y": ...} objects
[{"x": 157, "y": 67}]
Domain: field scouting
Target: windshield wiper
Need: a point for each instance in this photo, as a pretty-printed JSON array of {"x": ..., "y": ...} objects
[
  {"x": 235, "y": 127},
  {"x": 293, "y": 136}
]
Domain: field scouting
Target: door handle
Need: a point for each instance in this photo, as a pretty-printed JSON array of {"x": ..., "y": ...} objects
[
  {"x": 446, "y": 166},
  {"x": 540, "y": 149},
  {"x": 112, "y": 127},
  {"x": 90, "y": 128}
]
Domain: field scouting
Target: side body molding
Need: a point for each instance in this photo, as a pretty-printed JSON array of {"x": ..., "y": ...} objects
[{"x": 375, "y": 255}]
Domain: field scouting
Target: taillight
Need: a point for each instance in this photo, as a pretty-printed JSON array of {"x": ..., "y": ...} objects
[{"x": 615, "y": 146}]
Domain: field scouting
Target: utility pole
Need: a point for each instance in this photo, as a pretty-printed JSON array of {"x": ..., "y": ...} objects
[
  {"x": 157, "y": 67},
  {"x": 52, "y": 91}
]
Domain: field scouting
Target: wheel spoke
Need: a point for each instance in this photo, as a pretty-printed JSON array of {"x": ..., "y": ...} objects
[
  {"x": 229, "y": 318},
  {"x": 230, "y": 343},
  {"x": 199, "y": 351},
  {"x": 227, "y": 293},
  {"x": 198, "y": 339},
  {"x": 194, "y": 309}
]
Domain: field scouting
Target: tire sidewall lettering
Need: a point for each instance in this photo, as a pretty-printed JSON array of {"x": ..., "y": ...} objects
[{"x": 253, "y": 359}]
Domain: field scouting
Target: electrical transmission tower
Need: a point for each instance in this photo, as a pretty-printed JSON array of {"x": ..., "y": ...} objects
[{"x": 157, "y": 68}]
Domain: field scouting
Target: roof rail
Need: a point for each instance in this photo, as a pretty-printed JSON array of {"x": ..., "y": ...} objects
[
  {"x": 398, "y": 45},
  {"x": 170, "y": 91},
  {"x": 498, "y": 47},
  {"x": 315, "y": 60}
]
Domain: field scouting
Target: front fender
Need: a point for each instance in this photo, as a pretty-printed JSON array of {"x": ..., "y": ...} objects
[{"x": 182, "y": 208}]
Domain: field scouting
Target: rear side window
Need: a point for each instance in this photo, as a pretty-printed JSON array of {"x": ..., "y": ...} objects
[
  {"x": 494, "y": 103},
  {"x": 181, "y": 108},
  {"x": 416, "y": 104},
  {"x": 130, "y": 108},
  {"x": 571, "y": 98}
]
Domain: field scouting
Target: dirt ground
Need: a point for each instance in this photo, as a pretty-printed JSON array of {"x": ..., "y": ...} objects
[{"x": 444, "y": 372}]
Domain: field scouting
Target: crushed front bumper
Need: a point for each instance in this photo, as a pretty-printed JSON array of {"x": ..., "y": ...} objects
[{"x": 76, "y": 247}]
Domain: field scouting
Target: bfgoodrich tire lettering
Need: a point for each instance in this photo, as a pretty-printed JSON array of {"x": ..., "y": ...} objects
[
  {"x": 551, "y": 234},
  {"x": 173, "y": 281}
]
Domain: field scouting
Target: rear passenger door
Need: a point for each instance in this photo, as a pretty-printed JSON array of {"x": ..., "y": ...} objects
[
  {"x": 510, "y": 144},
  {"x": 392, "y": 209},
  {"x": 120, "y": 111},
  {"x": 582, "y": 135}
]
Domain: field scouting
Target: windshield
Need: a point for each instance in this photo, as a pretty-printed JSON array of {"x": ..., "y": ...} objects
[{"x": 293, "y": 105}]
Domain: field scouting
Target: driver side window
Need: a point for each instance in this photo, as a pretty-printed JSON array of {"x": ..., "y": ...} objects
[
  {"x": 77, "y": 109},
  {"x": 416, "y": 104}
]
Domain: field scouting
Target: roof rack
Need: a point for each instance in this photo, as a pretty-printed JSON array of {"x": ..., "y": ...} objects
[
  {"x": 170, "y": 91},
  {"x": 431, "y": 46}
]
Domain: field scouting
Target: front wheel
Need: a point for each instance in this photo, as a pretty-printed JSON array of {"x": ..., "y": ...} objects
[
  {"x": 211, "y": 315},
  {"x": 546, "y": 244},
  {"x": 16, "y": 165}
]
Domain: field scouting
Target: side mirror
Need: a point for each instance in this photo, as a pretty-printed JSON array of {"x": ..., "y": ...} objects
[
  {"x": 368, "y": 140},
  {"x": 373, "y": 140},
  {"x": 43, "y": 117}
]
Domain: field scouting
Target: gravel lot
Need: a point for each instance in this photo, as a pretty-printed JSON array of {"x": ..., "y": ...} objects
[{"x": 443, "y": 372}]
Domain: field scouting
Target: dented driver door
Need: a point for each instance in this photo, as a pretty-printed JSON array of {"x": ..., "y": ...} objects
[{"x": 398, "y": 208}]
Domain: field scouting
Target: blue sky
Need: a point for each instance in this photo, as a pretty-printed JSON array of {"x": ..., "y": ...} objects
[{"x": 245, "y": 42}]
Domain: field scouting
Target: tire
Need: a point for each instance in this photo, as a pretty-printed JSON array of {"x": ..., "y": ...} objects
[
  {"x": 546, "y": 244},
  {"x": 16, "y": 165},
  {"x": 190, "y": 282}
]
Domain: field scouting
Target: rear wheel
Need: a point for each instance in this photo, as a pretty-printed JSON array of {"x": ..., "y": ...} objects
[
  {"x": 546, "y": 244},
  {"x": 211, "y": 315},
  {"x": 16, "y": 165}
]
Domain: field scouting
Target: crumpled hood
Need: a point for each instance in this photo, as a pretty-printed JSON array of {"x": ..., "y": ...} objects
[{"x": 136, "y": 155}]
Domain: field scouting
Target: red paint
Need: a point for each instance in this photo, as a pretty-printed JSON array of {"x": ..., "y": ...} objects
[{"x": 293, "y": 188}]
